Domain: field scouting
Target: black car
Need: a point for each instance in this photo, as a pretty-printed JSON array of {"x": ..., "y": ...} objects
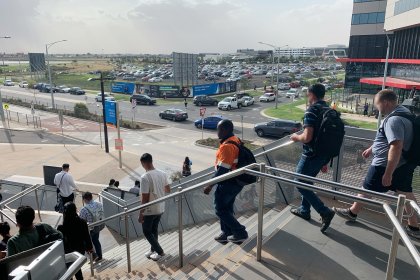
[
  {"x": 143, "y": 99},
  {"x": 277, "y": 128},
  {"x": 201, "y": 100},
  {"x": 174, "y": 114},
  {"x": 76, "y": 91}
]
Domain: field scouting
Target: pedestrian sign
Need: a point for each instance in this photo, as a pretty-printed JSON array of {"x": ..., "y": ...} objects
[
  {"x": 6, "y": 106},
  {"x": 118, "y": 144}
]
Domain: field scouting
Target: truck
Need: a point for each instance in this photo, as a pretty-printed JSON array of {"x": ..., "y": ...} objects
[{"x": 229, "y": 103}]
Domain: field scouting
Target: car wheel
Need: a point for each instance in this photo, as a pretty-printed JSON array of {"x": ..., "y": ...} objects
[
  {"x": 150, "y": 103},
  {"x": 215, "y": 104},
  {"x": 239, "y": 106},
  {"x": 285, "y": 134},
  {"x": 198, "y": 125},
  {"x": 228, "y": 108},
  {"x": 260, "y": 132},
  {"x": 200, "y": 104},
  {"x": 174, "y": 119},
  {"x": 161, "y": 116}
]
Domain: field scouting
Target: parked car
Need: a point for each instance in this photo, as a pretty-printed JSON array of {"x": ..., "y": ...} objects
[
  {"x": 209, "y": 122},
  {"x": 155, "y": 80},
  {"x": 292, "y": 93},
  {"x": 63, "y": 89},
  {"x": 229, "y": 103},
  {"x": 8, "y": 83},
  {"x": 204, "y": 100},
  {"x": 267, "y": 97},
  {"x": 277, "y": 128},
  {"x": 38, "y": 86},
  {"x": 76, "y": 91},
  {"x": 284, "y": 86},
  {"x": 247, "y": 101},
  {"x": 108, "y": 97},
  {"x": 143, "y": 99},
  {"x": 23, "y": 84},
  {"x": 240, "y": 96},
  {"x": 174, "y": 114}
]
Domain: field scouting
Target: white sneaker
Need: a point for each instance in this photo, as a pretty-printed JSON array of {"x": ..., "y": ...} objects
[
  {"x": 148, "y": 254},
  {"x": 156, "y": 256}
]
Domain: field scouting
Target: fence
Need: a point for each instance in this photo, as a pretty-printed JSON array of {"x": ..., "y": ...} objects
[{"x": 25, "y": 119}]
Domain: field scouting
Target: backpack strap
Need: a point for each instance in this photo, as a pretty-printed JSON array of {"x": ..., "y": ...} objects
[{"x": 408, "y": 116}]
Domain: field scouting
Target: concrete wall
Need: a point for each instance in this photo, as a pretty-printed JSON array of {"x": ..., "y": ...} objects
[
  {"x": 368, "y": 7},
  {"x": 400, "y": 21}
]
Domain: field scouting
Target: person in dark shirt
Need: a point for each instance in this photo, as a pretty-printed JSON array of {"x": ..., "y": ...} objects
[
  {"x": 76, "y": 233},
  {"x": 311, "y": 164},
  {"x": 5, "y": 233}
]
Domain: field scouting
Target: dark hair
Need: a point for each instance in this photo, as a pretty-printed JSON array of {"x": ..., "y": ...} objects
[
  {"x": 137, "y": 183},
  {"x": 4, "y": 228},
  {"x": 387, "y": 95},
  {"x": 66, "y": 166},
  {"x": 111, "y": 182},
  {"x": 187, "y": 160},
  {"x": 25, "y": 216},
  {"x": 146, "y": 158},
  {"x": 318, "y": 90},
  {"x": 87, "y": 196},
  {"x": 116, "y": 184},
  {"x": 226, "y": 125},
  {"x": 69, "y": 213}
]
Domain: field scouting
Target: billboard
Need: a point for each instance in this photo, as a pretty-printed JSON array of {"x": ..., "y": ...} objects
[
  {"x": 213, "y": 89},
  {"x": 110, "y": 112},
  {"x": 37, "y": 62},
  {"x": 123, "y": 87},
  {"x": 185, "y": 69}
]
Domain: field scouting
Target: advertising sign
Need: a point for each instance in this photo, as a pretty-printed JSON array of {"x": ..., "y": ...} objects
[
  {"x": 214, "y": 88},
  {"x": 36, "y": 62},
  {"x": 123, "y": 87},
  {"x": 110, "y": 112}
]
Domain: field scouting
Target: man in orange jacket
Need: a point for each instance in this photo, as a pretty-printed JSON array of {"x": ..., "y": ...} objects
[{"x": 226, "y": 191}]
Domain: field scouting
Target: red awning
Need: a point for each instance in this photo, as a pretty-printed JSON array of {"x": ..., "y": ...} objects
[
  {"x": 391, "y": 82},
  {"x": 379, "y": 60}
]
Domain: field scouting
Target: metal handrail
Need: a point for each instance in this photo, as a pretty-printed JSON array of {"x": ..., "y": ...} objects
[
  {"x": 8, "y": 217},
  {"x": 20, "y": 194},
  {"x": 110, "y": 200},
  {"x": 262, "y": 175},
  {"x": 415, "y": 206},
  {"x": 334, "y": 184},
  {"x": 77, "y": 260}
]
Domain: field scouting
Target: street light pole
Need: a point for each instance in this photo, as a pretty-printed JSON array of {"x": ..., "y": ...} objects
[
  {"x": 4, "y": 37},
  {"x": 104, "y": 114},
  {"x": 47, "y": 46},
  {"x": 385, "y": 74}
]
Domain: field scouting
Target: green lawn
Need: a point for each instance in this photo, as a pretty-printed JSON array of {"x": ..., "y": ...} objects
[
  {"x": 361, "y": 124},
  {"x": 287, "y": 111}
]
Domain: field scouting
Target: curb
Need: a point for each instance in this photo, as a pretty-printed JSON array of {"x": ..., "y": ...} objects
[
  {"x": 262, "y": 113},
  {"x": 204, "y": 146}
]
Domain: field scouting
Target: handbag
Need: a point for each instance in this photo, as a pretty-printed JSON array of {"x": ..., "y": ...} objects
[
  {"x": 59, "y": 207},
  {"x": 155, "y": 208}
]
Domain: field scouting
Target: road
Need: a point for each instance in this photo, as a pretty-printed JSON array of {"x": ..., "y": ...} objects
[{"x": 150, "y": 114}]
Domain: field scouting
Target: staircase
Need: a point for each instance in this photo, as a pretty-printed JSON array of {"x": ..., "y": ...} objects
[{"x": 203, "y": 257}]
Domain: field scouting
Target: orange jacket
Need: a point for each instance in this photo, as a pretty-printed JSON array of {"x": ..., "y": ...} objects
[{"x": 227, "y": 154}]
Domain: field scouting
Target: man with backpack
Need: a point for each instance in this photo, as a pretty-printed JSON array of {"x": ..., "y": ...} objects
[
  {"x": 322, "y": 138},
  {"x": 395, "y": 156},
  {"x": 93, "y": 212},
  {"x": 30, "y": 235},
  {"x": 227, "y": 159}
]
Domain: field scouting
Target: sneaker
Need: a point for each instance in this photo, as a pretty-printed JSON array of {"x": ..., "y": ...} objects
[
  {"x": 345, "y": 213},
  {"x": 297, "y": 212},
  {"x": 237, "y": 240},
  {"x": 98, "y": 259},
  {"x": 412, "y": 233},
  {"x": 156, "y": 256},
  {"x": 326, "y": 220},
  {"x": 148, "y": 254},
  {"x": 222, "y": 239}
]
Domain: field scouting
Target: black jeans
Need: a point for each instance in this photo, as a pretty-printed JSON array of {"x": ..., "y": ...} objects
[
  {"x": 69, "y": 198},
  {"x": 150, "y": 231},
  {"x": 78, "y": 275}
]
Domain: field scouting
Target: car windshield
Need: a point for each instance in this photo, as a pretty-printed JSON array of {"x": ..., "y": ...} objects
[
  {"x": 227, "y": 99},
  {"x": 178, "y": 111},
  {"x": 267, "y": 94}
]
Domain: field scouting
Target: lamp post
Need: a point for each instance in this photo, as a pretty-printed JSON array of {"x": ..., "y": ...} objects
[
  {"x": 47, "y": 46},
  {"x": 385, "y": 74},
  {"x": 102, "y": 79},
  {"x": 4, "y": 37},
  {"x": 275, "y": 48}
]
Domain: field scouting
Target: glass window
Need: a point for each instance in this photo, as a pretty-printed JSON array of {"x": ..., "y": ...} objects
[
  {"x": 364, "y": 18},
  {"x": 355, "y": 19},
  {"x": 380, "y": 18},
  {"x": 372, "y": 17}
]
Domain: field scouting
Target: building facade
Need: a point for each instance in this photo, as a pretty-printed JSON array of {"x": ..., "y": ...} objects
[{"x": 373, "y": 24}]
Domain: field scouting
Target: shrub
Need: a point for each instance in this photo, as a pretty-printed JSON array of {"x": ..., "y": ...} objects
[{"x": 81, "y": 111}]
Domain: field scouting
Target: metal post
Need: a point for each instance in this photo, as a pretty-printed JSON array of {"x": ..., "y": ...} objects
[
  {"x": 277, "y": 86},
  {"x": 104, "y": 115},
  {"x": 260, "y": 213},
  {"x": 395, "y": 239},
  {"x": 242, "y": 126},
  {"x": 118, "y": 131},
  {"x": 100, "y": 131},
  {"x": 37, "y": 205},
  {"x": 49, "y": 77},
  {"x": 180, "y": 227},
  {"x": 92, "y": 271},
  {"x": 27, "y": 122},
  {"x": 127, "y": 240},
  {"x": 385, "y": 74}
]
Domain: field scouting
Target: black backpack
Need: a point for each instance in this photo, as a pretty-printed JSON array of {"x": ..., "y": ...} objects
[
  {"x": 45, "y": 237},
  {"x": 413, "y": 153},
  {"x": 329, "y": 134},
  {"x": 245, "y": 157}
]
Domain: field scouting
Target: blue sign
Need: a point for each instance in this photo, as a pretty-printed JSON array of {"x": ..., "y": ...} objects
[
  {"x": 110, "y": 112},
  {"x": 208, "y": 89},
  {"x": 123, "y": 87}
]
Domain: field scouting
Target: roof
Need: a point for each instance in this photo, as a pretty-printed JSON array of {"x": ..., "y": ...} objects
[
  {"x": 391, "y": 82},
  {"x": 379, "y": 60}
]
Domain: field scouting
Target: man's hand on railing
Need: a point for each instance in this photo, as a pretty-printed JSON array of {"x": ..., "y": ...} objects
[
  {"x": 324, "y": 169},
  {"x": 141, "y": 218},
  {"x": 207, "y": 189}
]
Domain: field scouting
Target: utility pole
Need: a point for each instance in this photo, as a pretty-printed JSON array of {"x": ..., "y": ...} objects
[
  {"x": 118, "y": 131},
  {"x": 104, "y": 115},
  {"x": 385, "y": 75},
  {"x": 47, "y": 46}
]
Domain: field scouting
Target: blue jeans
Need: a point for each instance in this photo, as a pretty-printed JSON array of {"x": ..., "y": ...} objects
[
  {"x": 95, "y": 240},
  {"x": 311, "y": 166},
  {"x": 224, "y": 199}
]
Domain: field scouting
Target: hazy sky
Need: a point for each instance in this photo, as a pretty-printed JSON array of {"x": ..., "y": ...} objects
[{"x": 163, "y": 26}]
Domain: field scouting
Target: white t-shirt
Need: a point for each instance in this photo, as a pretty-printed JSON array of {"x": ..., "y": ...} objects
[
  {"x": 64, "y": 181},
  {"x": 159, "y": 180}
]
